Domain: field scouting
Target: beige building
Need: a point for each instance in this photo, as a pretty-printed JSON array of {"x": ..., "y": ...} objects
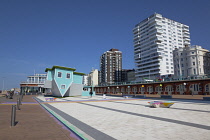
[
  {"x": 191, "y": 62},
  {"x": 93, "y": 78}
]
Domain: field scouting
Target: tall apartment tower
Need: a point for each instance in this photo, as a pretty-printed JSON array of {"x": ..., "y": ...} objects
[
  {"x": 110, "y": 62},
  {"x": 155, "y": 38}
]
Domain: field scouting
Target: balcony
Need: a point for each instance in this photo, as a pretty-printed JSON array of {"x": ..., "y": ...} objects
[
  {"x": 32, "y": 82},
  {"x": 150, "y": 63},
  {"x": 136, "y": 37},
  {"x": 186, "y": 36},
  {"x": 186, "y": 39},
  {"x": 185, "y": 29},
  {"x": 136, "y": 30}
]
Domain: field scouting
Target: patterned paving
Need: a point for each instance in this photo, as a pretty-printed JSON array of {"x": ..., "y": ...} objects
[{"x": 119, "y": 118}]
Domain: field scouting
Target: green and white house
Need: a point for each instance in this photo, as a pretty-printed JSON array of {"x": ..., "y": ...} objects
[{"x": 64, "y": 81}]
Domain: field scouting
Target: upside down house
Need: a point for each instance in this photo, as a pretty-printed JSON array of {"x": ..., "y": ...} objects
[{"x": 63, "y": 81}]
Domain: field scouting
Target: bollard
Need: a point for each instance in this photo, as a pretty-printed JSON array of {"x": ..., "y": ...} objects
[
  {"x": 13, "y": 115},
  {"x": 20, "y": 101},
  {"x": 18, "y": 104},
  {"x": 21, "y": 96}
]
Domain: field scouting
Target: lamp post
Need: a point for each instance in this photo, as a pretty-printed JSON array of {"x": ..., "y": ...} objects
[
  {"x": 117, "y": 89},
  {"x": 184, "y": 87},
  {"x": 128, "y": 89},
  {"x": 3, "y": 85}
]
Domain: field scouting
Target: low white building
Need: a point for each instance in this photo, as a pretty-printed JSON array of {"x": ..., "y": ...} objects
[
  {"x": 191, "y": 62},
  {"x": 93, "y": 78},
  {"x": 85, "y": 80}
]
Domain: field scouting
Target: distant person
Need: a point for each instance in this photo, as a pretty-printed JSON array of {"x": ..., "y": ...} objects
[
  {"x": 91, "y": 94},
  {"x": 11, "y": 95},
  {"x": 104, "y": 95},
  {"x": 7, "y": 95}
]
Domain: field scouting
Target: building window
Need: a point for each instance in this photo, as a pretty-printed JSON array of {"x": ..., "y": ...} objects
[
  {"x": 68, "y": 75},
  {"x": 193, "y": 63},
  {"x": 63, "y": 86},
  {"x": 59, "y": 74}
]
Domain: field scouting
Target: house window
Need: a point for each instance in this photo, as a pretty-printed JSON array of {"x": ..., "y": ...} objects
[
  {"x": 194, "y": 63},
  {"x": 63, "y": 86},
  {"x": 68, "y": 75},
  {"x": 59, "y": 74}
]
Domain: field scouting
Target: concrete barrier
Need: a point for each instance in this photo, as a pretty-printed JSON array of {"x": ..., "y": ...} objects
[
  {"x": 166, "y": 96},
  {"x": 206, "y": 98},
  {"x": 140, "y": 96}
]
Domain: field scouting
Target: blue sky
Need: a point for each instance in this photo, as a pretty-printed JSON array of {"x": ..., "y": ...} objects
[{"x": 36, "y": 34}]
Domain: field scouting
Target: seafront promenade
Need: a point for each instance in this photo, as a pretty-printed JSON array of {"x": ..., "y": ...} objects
[
  {"x": 32, "y": 122},
  {"x": 105, "y": 119}
]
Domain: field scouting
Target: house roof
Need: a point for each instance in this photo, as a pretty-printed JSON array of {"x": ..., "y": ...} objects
[
  {"x": 65, "y": 68},
  {"x": 59, "y": 67}
]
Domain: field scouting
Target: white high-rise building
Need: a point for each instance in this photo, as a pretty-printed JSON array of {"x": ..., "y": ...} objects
[{"x": 155, "y": 38}]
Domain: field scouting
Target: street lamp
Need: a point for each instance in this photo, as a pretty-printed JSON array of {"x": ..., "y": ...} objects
[
  {"x": 128, "y": 89},
  {"x": 184, "y": 87},
  {"x": 3, "y": 85}
]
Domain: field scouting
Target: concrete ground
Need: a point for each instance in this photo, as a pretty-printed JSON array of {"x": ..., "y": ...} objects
[{"x": 131, "y": 119}]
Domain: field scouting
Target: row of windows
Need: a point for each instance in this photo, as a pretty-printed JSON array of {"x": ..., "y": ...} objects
[
  {"x": 60, "y": 75},
  {"x": 182, "y": 65}
]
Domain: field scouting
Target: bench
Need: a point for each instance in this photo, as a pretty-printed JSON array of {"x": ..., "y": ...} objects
[
  {"x": 50, "y": 99},
  {"x": 157, "y": 104}
]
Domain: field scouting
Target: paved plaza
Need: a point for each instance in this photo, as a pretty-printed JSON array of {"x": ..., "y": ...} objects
[{"x": 132, "y": 118}]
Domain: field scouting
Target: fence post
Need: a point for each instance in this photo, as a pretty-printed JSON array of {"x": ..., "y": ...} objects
[{"x": 13, "y": 115}]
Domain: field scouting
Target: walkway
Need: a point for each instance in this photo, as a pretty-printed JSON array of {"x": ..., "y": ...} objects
[
  {"x": 104, "y": 119},
  {"x": 32, "y": 122},
  {"x": 123, "y": 119}
]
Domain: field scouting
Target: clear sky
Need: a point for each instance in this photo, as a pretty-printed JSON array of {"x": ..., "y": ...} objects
[{"x": 36, "y": 34}]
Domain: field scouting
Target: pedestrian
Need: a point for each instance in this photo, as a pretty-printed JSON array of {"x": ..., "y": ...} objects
[
  {"x": 91, "y": 94},
  {"x": 7, "y": 95},
  {"x": 104, "y": 95}
]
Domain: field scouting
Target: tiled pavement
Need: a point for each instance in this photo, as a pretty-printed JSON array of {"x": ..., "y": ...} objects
[
  {"x": 32, "y": 122},
  {"x": 125, "y": 119},
  {"x": 111, "y": 118}
]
